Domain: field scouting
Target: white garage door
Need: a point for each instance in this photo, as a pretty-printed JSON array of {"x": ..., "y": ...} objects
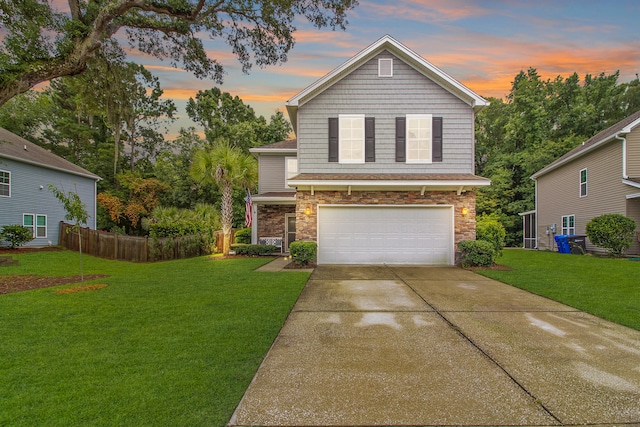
[{"x": 385, "y": 235}]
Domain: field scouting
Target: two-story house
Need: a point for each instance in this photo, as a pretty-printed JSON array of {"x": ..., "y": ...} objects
[
  {"x": 382, "y": 168},
  {"x": 26, "y": 171},
  {"x": 599, "y": 176}
]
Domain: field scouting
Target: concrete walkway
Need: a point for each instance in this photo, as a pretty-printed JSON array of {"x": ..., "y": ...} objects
[{"x": 440, "y": 346}]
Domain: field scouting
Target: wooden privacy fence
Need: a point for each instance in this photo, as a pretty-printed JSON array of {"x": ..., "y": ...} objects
[{"x": 137, "y": 249}]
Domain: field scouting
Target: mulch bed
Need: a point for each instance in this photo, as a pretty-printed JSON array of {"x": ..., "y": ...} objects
[
  {"x": 25, "y": 250},
  {"x": 493, "y": 267},
  {"x": 27, "y": 282}
]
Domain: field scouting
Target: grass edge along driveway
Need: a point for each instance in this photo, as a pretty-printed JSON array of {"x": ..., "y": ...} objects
[
  {"x": 171, "y": 343},
  {"x": 606, "y": 287}
]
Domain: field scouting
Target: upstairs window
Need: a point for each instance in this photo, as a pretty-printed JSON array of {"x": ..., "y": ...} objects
[
  {"x": 291, "y": 167},
  {"x": 418, "y": 138},
  {"x": 5, "y": 184},
  {"x": 569, "y": 224},
  {"x": 583, "y": 183},
  {"x": 352, "y": 139},
  {"x": 385, "y": 67}
]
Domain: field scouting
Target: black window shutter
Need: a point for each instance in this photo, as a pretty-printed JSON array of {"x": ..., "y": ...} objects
[
  {"x": 369, "y": 139},
  {"x": 333, "y": 139},
  {"x": 401, "y": 139},
  {"x": 436, "y": 139}
]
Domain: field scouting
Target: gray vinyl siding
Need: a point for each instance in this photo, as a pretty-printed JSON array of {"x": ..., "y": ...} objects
[
  {"x": 271, "y": 173},
  {"x": 558, "y": 192},
  {"x": 407, "y": 92},
  {"x": 633, "y": 212},
  {"x": 28, "y": 198},
  {"x": 633, "y": 153}
]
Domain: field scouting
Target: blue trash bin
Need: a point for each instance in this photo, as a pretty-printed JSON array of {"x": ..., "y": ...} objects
[{"x": 562, "y": 240}]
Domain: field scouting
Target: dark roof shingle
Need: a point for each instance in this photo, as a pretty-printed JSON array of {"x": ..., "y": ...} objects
[
  {"x": 17, "y": 148},
  {"x": 602, "y": 136}
]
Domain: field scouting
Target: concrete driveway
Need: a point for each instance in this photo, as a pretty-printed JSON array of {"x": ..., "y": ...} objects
[{"x": 382, "y": 345}]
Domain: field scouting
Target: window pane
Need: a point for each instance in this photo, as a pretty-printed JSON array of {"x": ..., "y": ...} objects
[
  {"x": 5, "y": 183},
  {"x": 352, "y": 139},
  {"x": 27, "y": 220},
  {"x": 419, "y": 138}
]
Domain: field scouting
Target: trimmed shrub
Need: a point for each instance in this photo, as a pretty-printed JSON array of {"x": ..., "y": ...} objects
[
  {"x": 491, "y": 231},
  {"x": 243, "y": 235},
  {"x": 16, "y": 235},
  {"x": 613, "y": 232},
  {"x": 303, "y": 252},
  {"x": 477, "y": 253},
  {"x": 253, "y": 250}
]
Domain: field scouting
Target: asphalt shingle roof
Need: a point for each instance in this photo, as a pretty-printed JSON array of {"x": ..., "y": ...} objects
[{"x": 17, "y": 148}]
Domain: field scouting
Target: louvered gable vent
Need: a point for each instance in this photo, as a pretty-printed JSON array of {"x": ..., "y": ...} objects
[{"x": 385, "y": 67}]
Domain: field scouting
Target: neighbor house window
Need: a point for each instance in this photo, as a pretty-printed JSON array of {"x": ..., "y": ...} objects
[
  {"x": 583, "y": 183},
  {"x": 28, "y": 221},
  {"x": 41, "y": 226},
  {"x": 351, "y": 141},
  {"x": 291, "y": 167},
  {"x": 385, "y": 67},
  {"x": 36, "y": 223},
  {"x": 569, "y": 224},
  {"x": 418, "y": 138},
  {"x": 5, "y": 184}
]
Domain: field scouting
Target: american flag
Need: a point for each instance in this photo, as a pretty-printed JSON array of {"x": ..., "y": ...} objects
[{"x": 248, "y": 216}]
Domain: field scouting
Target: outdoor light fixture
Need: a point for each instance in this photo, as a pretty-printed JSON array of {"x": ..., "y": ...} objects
[
  {"x": 465, "y": 211},
  {"x": 307, "y": 211}
]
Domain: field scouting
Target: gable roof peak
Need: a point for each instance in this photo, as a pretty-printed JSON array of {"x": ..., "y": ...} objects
[{"x": 405, "y": 54}]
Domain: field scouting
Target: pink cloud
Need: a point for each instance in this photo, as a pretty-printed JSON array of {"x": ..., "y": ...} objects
[{"x": 427, "y": 10}]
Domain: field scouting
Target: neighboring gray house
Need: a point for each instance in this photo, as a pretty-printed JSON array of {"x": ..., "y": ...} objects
[
  {"x": 600, "y": 176},
  {"x": 26, "y": 170},
  {"x": 382, "y": 170}
]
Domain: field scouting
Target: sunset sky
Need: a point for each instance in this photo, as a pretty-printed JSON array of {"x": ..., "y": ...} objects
[{"x": 483, "y": 44}]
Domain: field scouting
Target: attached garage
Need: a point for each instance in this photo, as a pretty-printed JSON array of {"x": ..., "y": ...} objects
[{"x": 366, "y": 234}]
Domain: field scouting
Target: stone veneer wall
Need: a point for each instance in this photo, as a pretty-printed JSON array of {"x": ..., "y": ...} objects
[
  {"x": 271, "y": 219},
  {"x": 465, "y": 225}
]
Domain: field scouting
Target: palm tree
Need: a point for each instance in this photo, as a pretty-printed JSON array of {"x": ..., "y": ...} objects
[{"x": 226, "y": 167}]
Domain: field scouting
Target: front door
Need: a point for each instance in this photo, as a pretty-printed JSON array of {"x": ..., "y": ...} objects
[{"x": 290, "y": 230}]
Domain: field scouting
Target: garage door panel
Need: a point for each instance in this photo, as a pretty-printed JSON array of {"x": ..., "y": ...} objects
[{"x": 391, "y": 235}]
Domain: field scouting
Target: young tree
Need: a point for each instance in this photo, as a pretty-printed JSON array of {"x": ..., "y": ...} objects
[
  {"x": 42, "y": 42},
  {"x": 76, "y": 212},
  {"x": 227, "y": 167}
]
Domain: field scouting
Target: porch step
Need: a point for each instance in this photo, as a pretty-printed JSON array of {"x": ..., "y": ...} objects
[{"x": 7, "y": 260}]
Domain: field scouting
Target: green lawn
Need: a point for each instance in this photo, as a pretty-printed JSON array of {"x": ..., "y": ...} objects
[
  {"x": 608, "y": 288},
  {"x": 172, "y": 343}
]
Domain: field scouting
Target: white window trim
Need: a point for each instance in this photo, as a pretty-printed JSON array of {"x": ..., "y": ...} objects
[
  {"x": 585, "y": 183},
  {"x": 565, "y": 230},
  {"x": 429, "y": 118},
  {"x": 46, "y": 223},
  {"x": 9, "y": 185},
  {"x": 33, "y": 218},
  {"x": 286, "y": 167},
  {"x": 34, "y": 230},
  {"x": 340, "y": 128},
  {"x": 380, "y": 67}
]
